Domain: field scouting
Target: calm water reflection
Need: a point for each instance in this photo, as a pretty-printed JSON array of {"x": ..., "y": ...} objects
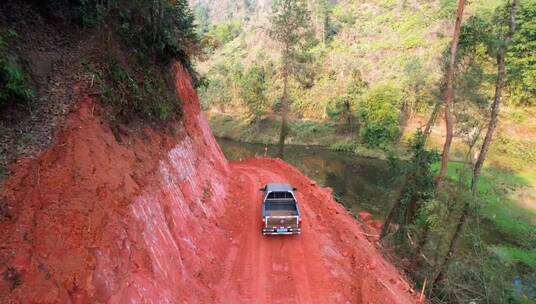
[{"x": 360, "y": 183}]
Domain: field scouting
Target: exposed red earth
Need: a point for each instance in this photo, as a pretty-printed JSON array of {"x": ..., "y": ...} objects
[
  {"x": 330, "y": 262},
  {"x": 162, "y": 217}
]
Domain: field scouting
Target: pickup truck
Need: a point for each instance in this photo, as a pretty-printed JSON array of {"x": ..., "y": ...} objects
[{"x": 280, "y": 211}]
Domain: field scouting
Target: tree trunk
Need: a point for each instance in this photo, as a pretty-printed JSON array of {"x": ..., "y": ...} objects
[
  {"x": 495, "y": 107},
  {"x": 349, "y": 116},
  {"x": 403, "y": 120},
  {"x": 431, "y": 121},
  {"x": 449, "y": 101},
  {"x": 438, "y": 274},
  {"x": 284, "y": 106},
  {"x": 471, "y": 142},
  {"x": 389, "y": 219},
  {"x": 324, "y": 29},
  {"x": 394, "y": 210}
]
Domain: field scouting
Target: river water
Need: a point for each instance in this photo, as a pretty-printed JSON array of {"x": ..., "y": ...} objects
[{"x": 361, "y": 184}]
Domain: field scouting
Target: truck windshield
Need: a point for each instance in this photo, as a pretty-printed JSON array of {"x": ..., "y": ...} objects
[{"x": 279, "y": 195}]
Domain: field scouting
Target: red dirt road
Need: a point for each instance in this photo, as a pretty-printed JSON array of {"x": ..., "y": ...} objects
[{"x": 330, "y": 262}]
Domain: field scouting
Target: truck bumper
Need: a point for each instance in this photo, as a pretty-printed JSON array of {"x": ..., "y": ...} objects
[{"x": 273, "y": 231}]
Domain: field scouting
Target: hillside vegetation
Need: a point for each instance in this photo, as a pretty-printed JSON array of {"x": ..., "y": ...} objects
[
  {"x": 118, "y": 51},
  {"x": 396, "y": 49}
]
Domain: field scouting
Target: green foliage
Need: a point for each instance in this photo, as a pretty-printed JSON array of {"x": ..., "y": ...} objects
[
  {"x": 343, "y": 15},
  {"x": 523, "y": 150},
  {"x": 310, "y": 129},
  {"x": 432, "y": 214},
  {"x": 225, "y": 32},
  {"x": 155, "y": 33},
  {"x": 448, "y": 8},
  {"x": 161, "y": 27},
  {"x": 343, "y": 107},
  {"x": 516, "y": 255},
  {"x": 13, "y": 85},
  {"x": 290, "y": 27},
  {"x": 521, "y": 60},
  {"x": 138, "y": 92},
  {"x": 225, "y": 86},
  {"x": 202, "y": 18},
  {"x": 379, "y": 114},
  {"x": 417, "y": 204},
  {"x": 369, "y": 37},
  {"x": 344, "y": 146},
  {"x": 337, "y": 107},
  {"x": 420, "y": 179},
  {"x": 487, "y": 31},
  {"x": 12, "y": 82},
  {"x": 252, "y": 91}
]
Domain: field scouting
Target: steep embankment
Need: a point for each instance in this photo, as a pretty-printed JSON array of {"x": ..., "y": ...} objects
[
  {"x": 152, "y": 217},
  {"x": 93, "y": 220}
]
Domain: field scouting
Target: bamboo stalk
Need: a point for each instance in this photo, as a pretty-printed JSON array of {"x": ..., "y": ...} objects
[{"x": 422, "y": 290}]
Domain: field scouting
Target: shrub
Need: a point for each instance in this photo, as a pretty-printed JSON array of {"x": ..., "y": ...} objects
[
  {"x": 162, "y": 28},
  {"x": 165, "y": 28},
  {"x": 344, "y": 146},
  {"x": 156, "y": 32},
  {"x": 336, "y": 108},
  {"x": 12, "y": 80},
  {"x": 226, "y": 31},
  {"x": 138, "y": 92},
  {"x": 252, "y": 91},
  {"x": 379, "y": 113}
]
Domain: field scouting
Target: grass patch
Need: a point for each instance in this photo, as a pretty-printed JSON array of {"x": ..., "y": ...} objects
[
  {"x": 364, "y": 151},
  {"x": 514, "y": 224},
  {"x": 309, "y": 130},
  {"x": 359, "y": 150},
  {"x": 516, "y": 255},
  {"x": 266, "y": 131}
]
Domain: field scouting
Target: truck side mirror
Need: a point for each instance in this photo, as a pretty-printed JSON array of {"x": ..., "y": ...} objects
[
  {"x": 262, "y": 189},
  {"x": 294, "y": 189}
]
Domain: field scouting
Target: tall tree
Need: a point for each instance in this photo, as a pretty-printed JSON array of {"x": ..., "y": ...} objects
[
  {"x": 449, "y": 100},
  {"x": 496, "y": 105},
  {"x": 501, "y": 75},
  {"x": 322, "y": 11},
  {"x": 290, "y": 22}
]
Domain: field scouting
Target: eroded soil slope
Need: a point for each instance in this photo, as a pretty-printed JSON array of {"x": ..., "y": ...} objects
[{"x": 99, "y": 218}]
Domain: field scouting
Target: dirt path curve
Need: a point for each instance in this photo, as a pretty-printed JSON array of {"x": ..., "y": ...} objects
[{"x": 330, "y": 262}]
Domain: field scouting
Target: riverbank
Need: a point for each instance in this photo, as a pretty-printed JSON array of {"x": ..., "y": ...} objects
[
  {"x": 302, "y": 133},
  {"x": 266, "y": 131}
]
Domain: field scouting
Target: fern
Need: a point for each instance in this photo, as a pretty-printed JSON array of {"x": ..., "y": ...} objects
[{"x": 12, "y": 82}]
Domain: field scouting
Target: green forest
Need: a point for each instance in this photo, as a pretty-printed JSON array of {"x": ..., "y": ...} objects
[{"x": 447, "y": 86}]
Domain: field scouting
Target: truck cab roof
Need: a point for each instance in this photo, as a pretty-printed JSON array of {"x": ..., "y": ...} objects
[{"x": 277, "y": 187}]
